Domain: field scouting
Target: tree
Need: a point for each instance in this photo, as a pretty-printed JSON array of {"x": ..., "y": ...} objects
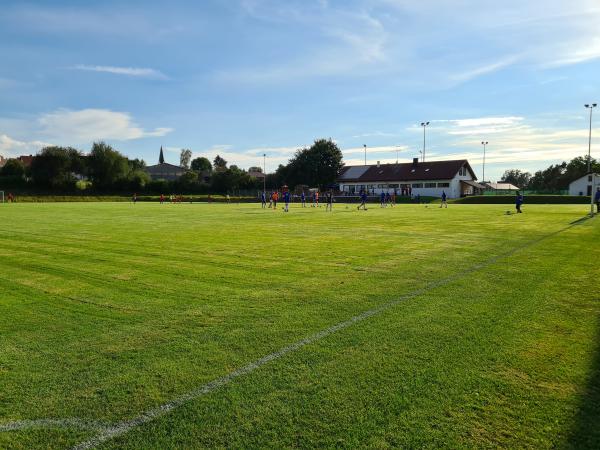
[
  {"x": 219, "y": 163},
  {"x": 13, "y": 168},
  {"x": 231, "y": 179},
  {"x": 516, "y": 177},
  {"x": 55, "y": 167},
  {"x": 185, "y": 157},
  {"x": 137, "y": 165},
  {"x": 106, "y": 166},
  {"x": 318, "y": 165},
  {"x": 201, "y": 164}
]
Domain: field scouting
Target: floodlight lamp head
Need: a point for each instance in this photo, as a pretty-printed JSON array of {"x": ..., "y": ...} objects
[
  {"x": 594, "y": 105},
  {"x": 586, "y": 105}
]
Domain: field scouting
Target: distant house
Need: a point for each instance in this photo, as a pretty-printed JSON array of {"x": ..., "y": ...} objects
[
  {"x": 500, "y": 187},
  {"x": 26, "y": 160},
  {"x": 456, "y": 178},
  {"x": 256, "y": 174},
  {"x": 584, "y": 185},
  {"x": 165, "y": 171}
]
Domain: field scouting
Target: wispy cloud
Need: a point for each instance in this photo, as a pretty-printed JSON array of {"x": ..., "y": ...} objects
[
  {"x": 92, "y": 124},
  {"x": 142, "y": 72}
]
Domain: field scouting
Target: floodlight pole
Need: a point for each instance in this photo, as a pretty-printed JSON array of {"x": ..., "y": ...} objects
[
  {"x": 484, "y": 143},
  {"x": 424, "y": 125},
  {"x": 591, "y": 108},
  {"x": 365, "y": 146},
  {"x": 265, "y": 173}
]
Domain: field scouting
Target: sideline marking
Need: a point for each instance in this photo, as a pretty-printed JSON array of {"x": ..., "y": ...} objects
[{"x": 107, "y": 432}]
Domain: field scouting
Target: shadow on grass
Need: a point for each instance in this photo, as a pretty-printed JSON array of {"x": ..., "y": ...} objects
[{"x": 585, "y": 433}]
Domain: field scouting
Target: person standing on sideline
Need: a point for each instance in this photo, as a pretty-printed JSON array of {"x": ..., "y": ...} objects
[
  {"x": 518, "y": 202},
  {"x": 303, "y": 199},
  {"x": 363, "y": 200},
  {"x": 286, "y": 199},
  {"x": 329, "y": 198},
  {"x": 162, "y": 198},
  {"x": 263, "y": 199},
  {"x": 597, "y": 200},
  {"x": 134, "y": 199},
  {"x": 317, "y": 198},
  {"x": 382, "y": 199},
  {"x": 444, "y": 202},
  {"x": 275, "y": 198},
  {"x": 393, "y": 198}
]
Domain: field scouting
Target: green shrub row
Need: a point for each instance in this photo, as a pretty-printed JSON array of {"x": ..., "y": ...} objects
[
  {"x": 117, "y": 198},
  {"x": 531, "y": 199}
]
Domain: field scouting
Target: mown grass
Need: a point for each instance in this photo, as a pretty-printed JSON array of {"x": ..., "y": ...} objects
[{"x": 108, "y": 310}]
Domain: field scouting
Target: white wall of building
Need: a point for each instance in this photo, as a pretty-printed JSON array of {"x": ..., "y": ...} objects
[
  {"x": 580, "y": 186},
  {"x": 433, "y": 189}
]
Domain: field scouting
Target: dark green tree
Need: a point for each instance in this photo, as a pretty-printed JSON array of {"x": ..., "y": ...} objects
[
  {"x": 219, "y": 163},
  {"x": 56, "y": 167},
  {"x": 201, "y": 164},
  {"x": 517, "y": 177},
  {"x": 318, "y": 165},
  {"x": 13, "y": 168},
  {"x": 106, "y": 166}
]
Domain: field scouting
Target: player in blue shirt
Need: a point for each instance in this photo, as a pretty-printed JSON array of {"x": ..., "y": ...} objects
[
  {"x": 444, "y": 202},
  {"x": 382, "y": 199},
  {"x": 597, "y": 200},
  {"x": 286, "y": 199},
  {"x": 303, "y": 199},
  {"x": 518, "y": 202},
  {"x": 363, "y": 200},
  {"x": 263, "y": 199}
]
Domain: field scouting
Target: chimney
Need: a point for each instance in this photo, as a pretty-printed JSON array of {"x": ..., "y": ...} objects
[{"x": 415, "y": 161}]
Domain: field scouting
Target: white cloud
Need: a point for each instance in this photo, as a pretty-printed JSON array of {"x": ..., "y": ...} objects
[
  {"x": 129, "y": 71},
  {"x": 10, "y": 147},
  {"x": 89, "y": 125}
]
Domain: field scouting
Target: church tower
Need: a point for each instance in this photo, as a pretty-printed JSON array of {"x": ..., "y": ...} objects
[{"x": 161, "y": 157}]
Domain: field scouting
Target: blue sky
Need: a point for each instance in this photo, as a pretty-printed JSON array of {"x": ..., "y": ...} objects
[{"x": 247, "y": 77}]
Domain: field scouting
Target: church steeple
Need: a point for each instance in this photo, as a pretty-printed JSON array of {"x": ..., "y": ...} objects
[{"x": 161, "y": 157}]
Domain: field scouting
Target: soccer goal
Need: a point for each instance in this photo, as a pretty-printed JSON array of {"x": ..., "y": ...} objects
[{"x": 1, "y": 196}]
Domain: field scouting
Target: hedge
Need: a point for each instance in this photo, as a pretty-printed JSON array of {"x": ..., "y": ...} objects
[
  {"x": 120, "y": 198},
  {"x": 532, "y": 199}
]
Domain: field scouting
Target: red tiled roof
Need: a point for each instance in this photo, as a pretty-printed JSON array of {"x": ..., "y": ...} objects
[{"x": 430, "y": 170}]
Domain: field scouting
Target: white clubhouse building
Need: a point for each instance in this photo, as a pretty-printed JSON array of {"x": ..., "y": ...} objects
[
  {"x": 456, "y": 178},
  {"x": 585, "y": 185}
]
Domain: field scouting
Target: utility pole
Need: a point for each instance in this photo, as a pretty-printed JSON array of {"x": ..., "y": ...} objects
[
  {"x": 265, "y": 173},
  {"x": 591, "y": 108},
  {"x": 484, "y": 143},
  {"x": 424, "y": 125},
  {"x": 365, "y": 146}
]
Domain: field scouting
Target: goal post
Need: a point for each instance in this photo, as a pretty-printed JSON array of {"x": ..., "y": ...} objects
[{"x": 1, "y": 196}]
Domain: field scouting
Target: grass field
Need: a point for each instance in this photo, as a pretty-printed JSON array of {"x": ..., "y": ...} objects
[{"x": 108, "y": 311}]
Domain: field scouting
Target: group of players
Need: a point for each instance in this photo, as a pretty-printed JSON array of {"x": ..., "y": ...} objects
[
  {"x": 286, "y": 197},
  {"x": 386, "y": 199}
]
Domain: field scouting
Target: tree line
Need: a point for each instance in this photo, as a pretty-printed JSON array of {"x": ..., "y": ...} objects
[
  {"x": 553, "y": 179},
  {"x": 106, "y": 170}
]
